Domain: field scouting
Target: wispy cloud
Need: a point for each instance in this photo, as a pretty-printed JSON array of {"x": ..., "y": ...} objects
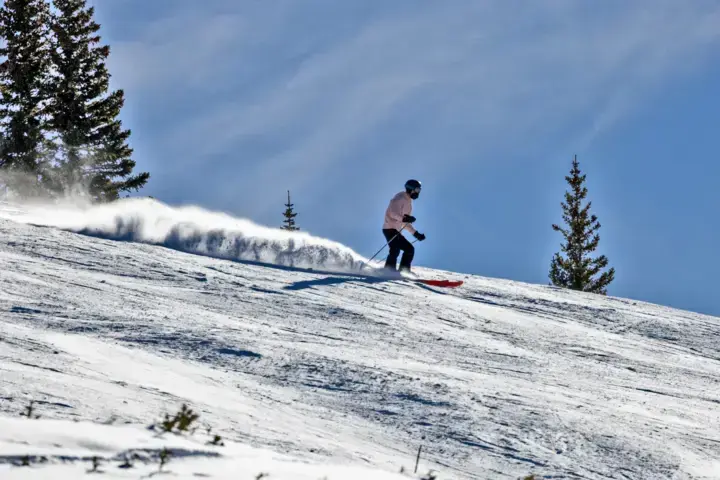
[
  {"x": 312, "y": 89},
  {"x": 176, "y": 53}
]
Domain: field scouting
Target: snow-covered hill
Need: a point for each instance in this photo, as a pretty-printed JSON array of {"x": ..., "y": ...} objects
[{"x": 495, "y": 380}]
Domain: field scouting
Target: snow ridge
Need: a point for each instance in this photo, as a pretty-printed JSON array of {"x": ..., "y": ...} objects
[{"x": 194, "y": 230}]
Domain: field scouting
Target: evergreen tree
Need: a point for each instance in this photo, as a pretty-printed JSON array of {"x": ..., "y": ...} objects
[
  {"x": 577, "y": 270},
  {"x": 289, "y": 216},
  {"x": 24, "y": 91},
  {"x": 92, "y": 145}
]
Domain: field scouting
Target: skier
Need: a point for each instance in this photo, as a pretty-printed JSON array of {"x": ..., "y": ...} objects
[{"x": 398, "y": 217}]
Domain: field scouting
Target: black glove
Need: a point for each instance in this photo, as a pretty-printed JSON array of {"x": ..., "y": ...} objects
[
  {"x": 409, "y": 219},
  {"x": 419, "y": 236}
]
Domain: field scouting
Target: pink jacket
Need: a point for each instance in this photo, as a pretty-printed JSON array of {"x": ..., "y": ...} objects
[{"x": 400, "y": 205}]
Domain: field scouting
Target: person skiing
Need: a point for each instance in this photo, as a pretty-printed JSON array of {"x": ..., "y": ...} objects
[{"x": 398, "y": 217}]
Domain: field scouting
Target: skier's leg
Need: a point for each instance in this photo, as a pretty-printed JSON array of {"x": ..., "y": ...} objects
[
  {"x": 392, "y": 236},
  {"x": 408, "y": 253}
]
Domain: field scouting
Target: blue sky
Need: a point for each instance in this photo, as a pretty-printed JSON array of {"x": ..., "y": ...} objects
[{"x": 485, "y": 102}]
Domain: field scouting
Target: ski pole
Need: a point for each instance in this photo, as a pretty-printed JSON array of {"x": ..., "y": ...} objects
[{"x": 383, "y": 247}]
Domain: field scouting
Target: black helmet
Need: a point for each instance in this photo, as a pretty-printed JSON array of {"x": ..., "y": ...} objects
[{"x": 413, "y": 187}]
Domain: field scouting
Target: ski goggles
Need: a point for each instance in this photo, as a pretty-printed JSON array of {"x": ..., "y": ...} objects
[{"x": 415, "y": 190}]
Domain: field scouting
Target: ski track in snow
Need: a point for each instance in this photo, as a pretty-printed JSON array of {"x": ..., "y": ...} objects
[{"x": 496, "y": 379}]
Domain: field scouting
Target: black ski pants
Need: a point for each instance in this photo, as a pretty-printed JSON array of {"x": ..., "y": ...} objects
[{"x": 397, "y": 244}]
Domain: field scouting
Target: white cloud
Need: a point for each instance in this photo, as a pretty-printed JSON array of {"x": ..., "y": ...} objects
[{"x": 175, "y": 53}]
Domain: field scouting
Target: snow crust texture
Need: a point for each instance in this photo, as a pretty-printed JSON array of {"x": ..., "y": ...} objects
[{"x": 496, "y": 380}]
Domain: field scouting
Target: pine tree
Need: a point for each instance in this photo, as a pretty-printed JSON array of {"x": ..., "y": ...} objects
[
  {"x": 577, "y": 270},
  {"x": 92, "y": 145},
  {"x": 289, "y": 216},
  {"x": 24, "y": 89}
]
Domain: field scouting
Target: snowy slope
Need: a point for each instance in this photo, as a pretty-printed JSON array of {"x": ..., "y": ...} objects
[
  {"x": 64, "y": 449},
  {"x": 496, "y": 379}
]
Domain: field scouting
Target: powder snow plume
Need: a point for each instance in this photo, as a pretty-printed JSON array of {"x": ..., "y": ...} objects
[{"x": 193, "y": 230}]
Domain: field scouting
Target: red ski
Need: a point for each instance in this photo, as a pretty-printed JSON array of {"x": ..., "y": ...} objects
[{"x": 440, "y": 283}]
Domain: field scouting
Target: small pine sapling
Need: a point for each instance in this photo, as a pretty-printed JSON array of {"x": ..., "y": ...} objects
[
  {"x": 289, "y": 214},
  {"x": 95, "y": 465},
  {"x": 216, "y": 439},
  {"x": 181, "y": 422},
  {"x": 168, "y": 424},
  {"x": 186, "y": 417},
  {"x": 165, "y": 455},
  {"x": 29, "y": 411}
]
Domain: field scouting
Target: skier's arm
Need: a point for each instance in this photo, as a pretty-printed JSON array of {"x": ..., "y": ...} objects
[{"x": 407, "y": 210}]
